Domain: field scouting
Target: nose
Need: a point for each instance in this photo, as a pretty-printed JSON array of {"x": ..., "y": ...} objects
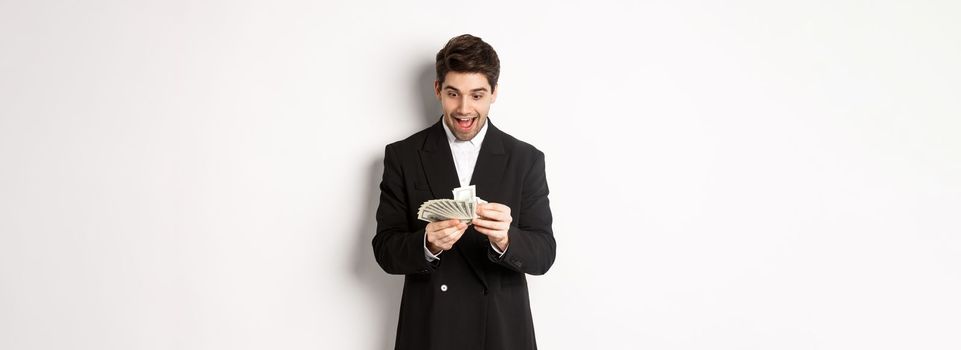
[{"x": 463, "y": 107}]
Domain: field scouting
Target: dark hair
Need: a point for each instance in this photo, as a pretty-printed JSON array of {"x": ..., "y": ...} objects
[{"x": 468, "y": 54}]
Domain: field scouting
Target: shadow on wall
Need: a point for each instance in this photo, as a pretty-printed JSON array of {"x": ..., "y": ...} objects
[
  {"x": 424, "y": 83},
  {"x": 385, "y": 290}
]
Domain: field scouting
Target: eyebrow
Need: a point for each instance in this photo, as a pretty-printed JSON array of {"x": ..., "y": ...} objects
[{"x": 484, "y": 89}]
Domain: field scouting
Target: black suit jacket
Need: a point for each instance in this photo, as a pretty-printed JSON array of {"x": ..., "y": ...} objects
[{"x": 484, "y": 303}]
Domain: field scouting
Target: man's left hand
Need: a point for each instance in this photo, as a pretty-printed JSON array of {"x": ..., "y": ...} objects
[{"x": 494, "y": 220}]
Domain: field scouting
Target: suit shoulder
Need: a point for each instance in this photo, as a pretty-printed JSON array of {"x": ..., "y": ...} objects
[
  {"x": 412, "y": 142},
  {"x": 520, "y": 147}
]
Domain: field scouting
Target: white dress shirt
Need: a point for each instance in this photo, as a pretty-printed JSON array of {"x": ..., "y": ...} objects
[{"x": 465, "y": 158}]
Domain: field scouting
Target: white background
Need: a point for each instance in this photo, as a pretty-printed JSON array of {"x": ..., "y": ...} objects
[{"x": 725, "y": 175}]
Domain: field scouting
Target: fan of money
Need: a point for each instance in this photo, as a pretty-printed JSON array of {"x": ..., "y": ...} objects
[{"x": 463, "y": 207}]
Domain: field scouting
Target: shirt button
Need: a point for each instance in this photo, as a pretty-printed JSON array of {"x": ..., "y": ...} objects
[{"x": 443, "y": 288}]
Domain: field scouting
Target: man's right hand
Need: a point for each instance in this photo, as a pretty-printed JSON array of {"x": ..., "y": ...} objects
[{"x": 442, "y": 235}]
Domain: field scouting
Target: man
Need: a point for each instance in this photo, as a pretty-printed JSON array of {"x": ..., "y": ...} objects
[{"x": 465, "y": 285}]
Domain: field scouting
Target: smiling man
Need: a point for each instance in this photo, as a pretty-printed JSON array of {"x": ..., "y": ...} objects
[{"x": 465, "y": 286}]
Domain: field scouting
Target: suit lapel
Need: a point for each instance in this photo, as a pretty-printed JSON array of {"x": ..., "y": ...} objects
[
  {"x": 438, "y": 163},
  {"x": 491, "y": 164}
]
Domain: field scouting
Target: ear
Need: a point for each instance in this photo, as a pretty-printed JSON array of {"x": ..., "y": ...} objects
[
  {"x": 437, "y": 89},
  {"x": 494, "y": 94}
]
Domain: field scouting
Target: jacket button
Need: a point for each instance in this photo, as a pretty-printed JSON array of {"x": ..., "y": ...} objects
[{"x": 443, "y": 288}]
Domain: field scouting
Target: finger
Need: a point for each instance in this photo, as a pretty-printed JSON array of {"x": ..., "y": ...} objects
[
  {"x": 440, "y": 225},
  {"x": 455, "y": 232},
  {"x": 453, "y": 237},
  {"x": 490, "y": 233},
  {"x": 441, "y": 234},
  {"x": 481, "y": 223},
  {"x": 492, "y": 225},
  {"x": 483, "y": 230},
  {"x": 496, "y": 207},
  {"x": 450, "y": 231},
  {"x": 457, "y": 235},
  {"x": 495, "y": 215}
]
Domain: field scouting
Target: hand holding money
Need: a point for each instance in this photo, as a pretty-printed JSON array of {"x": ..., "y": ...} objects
[
  {"x": 449, "y": 218},
  {"x": 441, "y": 235},
  {"x": 494, "y": 221}
]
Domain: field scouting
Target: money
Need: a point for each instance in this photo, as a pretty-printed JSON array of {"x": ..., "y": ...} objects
[
  {"x": 463, "y": 207},
  {"x": 465, "y": 193}
]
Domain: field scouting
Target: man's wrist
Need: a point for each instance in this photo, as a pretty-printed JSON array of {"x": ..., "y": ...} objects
[
  {"x": 429, "y": 250},
  {"x": 502, "y": 244}
]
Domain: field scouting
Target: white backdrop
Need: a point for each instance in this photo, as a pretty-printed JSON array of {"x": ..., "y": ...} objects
[{"x": 725, "y": 175}]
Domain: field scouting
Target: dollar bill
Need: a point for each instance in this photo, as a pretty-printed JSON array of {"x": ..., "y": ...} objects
[
  {"x": 465, "y": 193},
  {"x": 463, "y": 207}
]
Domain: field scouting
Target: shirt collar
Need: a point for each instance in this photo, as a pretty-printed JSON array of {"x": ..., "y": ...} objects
[{"x": 476, "y": 141}]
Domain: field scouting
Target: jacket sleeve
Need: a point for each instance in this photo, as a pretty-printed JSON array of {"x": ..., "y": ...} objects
[
  {"x": 532, "y": 247},
  {"x": 397, "y": 250}
]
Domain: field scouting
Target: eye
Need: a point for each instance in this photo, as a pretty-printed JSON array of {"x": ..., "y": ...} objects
[
  {"x": 452, "y": 94},
  {"x": 477, "y": 97}
]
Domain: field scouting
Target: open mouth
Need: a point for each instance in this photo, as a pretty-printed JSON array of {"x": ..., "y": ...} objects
[{"x": 465, "y": 123}]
